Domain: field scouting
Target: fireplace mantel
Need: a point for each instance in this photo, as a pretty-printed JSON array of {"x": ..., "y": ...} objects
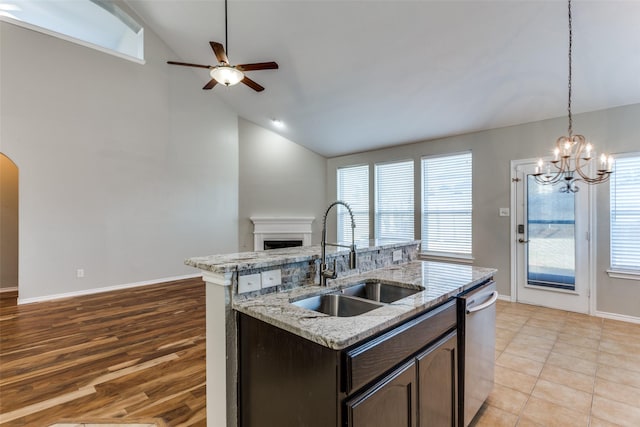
[{"x": 281, "y": 228}]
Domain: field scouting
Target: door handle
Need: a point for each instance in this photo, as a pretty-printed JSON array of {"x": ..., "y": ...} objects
[{"x": 521, "y": 240}]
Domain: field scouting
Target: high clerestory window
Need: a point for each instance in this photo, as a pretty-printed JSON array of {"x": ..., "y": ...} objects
[{"x": 98, "y": 24}]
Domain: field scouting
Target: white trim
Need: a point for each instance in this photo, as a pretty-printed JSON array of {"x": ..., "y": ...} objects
[
  {"x": 71, "y": 39},
  {"x": 105, "y": 289},
  {"x": 281, "y": 228},
  {"x": 615, "y": 316},
  {"x": 624, "y": 274},
  {"x": 506, "y": 298},
  {"x": 218, "y": 279}
]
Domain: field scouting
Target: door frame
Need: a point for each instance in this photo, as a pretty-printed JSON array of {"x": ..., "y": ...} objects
[{"x": 513, "y": 236}]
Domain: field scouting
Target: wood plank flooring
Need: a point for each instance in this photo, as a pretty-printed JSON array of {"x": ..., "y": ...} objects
[{"x": 136, "y": 353}]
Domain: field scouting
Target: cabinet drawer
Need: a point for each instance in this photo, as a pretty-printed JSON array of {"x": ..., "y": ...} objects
[{"x": 370, "y": 360}]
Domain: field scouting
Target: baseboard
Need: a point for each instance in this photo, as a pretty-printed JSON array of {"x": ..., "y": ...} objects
[
  {"x": 615, "y": 316},
  {"x": 506, "y": 298},
  {"x": 105, "y": 289}
]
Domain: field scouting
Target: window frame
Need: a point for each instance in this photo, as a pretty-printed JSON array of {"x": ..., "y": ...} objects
[
  {"x": 618, "y": 271},
  {"x": 342, "y": 212},
  {"x": 444, "y": 255},
  {"x": 376, "y": 195},
  {"x": 62, "y": 36}
]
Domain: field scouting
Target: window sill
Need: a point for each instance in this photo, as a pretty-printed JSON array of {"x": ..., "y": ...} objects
[
  {"x": 446, "y": 257},
  {"x": 624, "y": 274}
]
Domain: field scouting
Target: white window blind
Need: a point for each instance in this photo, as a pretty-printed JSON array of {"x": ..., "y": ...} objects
[
  {"x": 625, "y": 214},
  {"x": 446, "y": 204},
  {"x": 353, "y": 188},
  {"x": 394, "y": 200}
]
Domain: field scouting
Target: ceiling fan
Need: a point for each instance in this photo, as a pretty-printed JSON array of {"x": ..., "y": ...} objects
[{"x": 225, "y": 73}]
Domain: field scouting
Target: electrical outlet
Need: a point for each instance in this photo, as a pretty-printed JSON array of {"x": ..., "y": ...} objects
[
  {"x": 80, "y": 273},
  {"x": 396, "y": 255},
  {"x": 504, "y": 211}
]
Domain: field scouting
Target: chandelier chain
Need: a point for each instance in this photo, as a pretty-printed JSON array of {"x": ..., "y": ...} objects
[
  {"x": 569, "y": 84},
  {"x": 226, "y": 35}
]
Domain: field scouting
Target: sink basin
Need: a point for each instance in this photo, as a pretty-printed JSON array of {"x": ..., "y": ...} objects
[
  {"x": 337, "y": 305},
  {"x": 378, "y": 291}
]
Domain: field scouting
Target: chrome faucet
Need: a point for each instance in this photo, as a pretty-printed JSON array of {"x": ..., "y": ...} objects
[{"x": 325, "y": 273}]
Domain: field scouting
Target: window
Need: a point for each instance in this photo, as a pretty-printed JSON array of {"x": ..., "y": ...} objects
[
  {"x": 94, "y": 23},
  {"x": 353, "y": 188},
  {"x": 394, "y": 200},
  {"x": 446, "y": 205},
  {"x": 625, "y": 215}
]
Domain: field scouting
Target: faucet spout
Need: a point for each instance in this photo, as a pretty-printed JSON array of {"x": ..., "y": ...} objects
[{"x": 325, "y": 273}]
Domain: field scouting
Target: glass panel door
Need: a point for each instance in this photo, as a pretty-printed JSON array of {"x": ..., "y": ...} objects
[{"x": 551, "y": 233}]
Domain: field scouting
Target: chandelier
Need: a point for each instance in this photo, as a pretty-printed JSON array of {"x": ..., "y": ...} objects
[{"x": 572, "y": 153}]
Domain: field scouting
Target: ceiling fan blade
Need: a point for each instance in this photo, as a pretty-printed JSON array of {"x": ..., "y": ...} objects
[
  {"x": 189, "y": 65},
  {"x": 253, "y": 85},
  {"x": 210, "y": 84},
  {"x": 258, "y": 66},
  {"x": 218, "y": 49}
]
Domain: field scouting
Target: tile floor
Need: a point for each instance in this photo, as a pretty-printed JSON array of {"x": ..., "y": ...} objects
[{"x": 557, "y": 368}]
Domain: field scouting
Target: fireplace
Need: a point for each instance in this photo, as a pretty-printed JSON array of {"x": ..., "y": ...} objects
[{"x": 281, "y": 232}]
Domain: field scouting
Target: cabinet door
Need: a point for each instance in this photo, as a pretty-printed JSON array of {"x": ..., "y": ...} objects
[
  {"x": 437, "y": 379},
  {"x": 389, "y": 403}
]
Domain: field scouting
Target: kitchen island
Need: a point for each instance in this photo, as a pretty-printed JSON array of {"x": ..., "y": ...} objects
[{"x": 393, "y": 262}]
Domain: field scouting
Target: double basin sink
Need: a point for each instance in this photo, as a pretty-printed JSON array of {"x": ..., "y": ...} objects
[{"x": 356, "y": 299}]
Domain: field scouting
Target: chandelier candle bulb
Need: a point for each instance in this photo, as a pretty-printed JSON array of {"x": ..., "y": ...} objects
[{"x": 589, "y": 147}]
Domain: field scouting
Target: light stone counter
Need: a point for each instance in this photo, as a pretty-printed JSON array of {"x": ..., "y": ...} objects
[
  {"x": 439, "y": 281},
  {"x": 226, "y": 263}
]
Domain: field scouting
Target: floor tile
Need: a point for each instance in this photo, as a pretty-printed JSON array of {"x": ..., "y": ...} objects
[
  {"x": 551, "y": 415},
  {"x": 490, "y": 416},
  {"x": 626, "y": 361},
  {"x": 615, "y": 412},
  {"x": 618, "y": 392},
  {"x": 572, "y": 363},
  {"x": 520, "y": 364},
  {"x": 571, "y": 379},
  {"x": 513, "y": 379},
  {"x": 562, "y": 395},
  {"x": 576, "y": 351},
  {"x": 507, "y": 399},
  {"x": 578, "y": 340},
  {"x": 619, "y": 375}
]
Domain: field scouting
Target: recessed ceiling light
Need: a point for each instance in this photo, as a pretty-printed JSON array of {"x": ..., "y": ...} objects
[{"x": 277, "y": 123}]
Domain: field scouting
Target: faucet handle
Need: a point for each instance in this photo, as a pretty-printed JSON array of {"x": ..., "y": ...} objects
[{"x": 334, "y": 273}]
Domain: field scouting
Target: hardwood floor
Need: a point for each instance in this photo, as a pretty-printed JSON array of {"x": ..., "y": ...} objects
[{"x": 131, "y": 354}]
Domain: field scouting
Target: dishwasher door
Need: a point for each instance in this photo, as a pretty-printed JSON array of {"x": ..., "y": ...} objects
[{"x": 478, "y": 316}]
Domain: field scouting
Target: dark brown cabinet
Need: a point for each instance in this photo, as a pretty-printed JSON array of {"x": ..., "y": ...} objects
[
  {"x": 391, "y": 402},
  {"x": 404, "y": 377},
  {"x": 437, "y": 373}
]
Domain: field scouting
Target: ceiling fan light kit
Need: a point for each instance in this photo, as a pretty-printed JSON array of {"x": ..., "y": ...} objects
[{"x": 227, "y": 75}]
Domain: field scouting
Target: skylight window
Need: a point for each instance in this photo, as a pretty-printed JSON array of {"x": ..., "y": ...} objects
[{"x": 98, "y": 24}]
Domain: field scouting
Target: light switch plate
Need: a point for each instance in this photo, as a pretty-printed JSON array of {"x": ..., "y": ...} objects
[
  {"x": 504, "y": 211},
  {"x": 249, "y": 283},
  {"x": 271, "y": 278},
  {"x": 396, "y": 255}
]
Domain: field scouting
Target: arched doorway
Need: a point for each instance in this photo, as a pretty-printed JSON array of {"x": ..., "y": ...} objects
[{"x": 8, "y": 229}]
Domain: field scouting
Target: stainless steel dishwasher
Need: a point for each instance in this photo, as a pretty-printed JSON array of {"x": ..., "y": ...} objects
[{"x": 477, "y": 343}]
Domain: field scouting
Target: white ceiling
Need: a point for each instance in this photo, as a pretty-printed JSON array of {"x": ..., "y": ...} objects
[{"x": 360, "y": 75}]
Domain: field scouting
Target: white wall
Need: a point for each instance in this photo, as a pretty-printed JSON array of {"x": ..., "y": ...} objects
[
  {"x": 278, "y": 178},
  {"x": 125, "y": 169},
  {"x": 615, "y": 130}
]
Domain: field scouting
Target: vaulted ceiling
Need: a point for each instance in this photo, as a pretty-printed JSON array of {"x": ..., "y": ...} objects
[{"x": 360, "y": 75}]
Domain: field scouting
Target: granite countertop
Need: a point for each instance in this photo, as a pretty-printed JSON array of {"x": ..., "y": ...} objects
[
  {"x": 439, "y": 280},
  {"x": 226, "y": 263}
]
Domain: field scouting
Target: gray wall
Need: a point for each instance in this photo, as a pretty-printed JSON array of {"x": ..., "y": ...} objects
[
  {"x": 615, "y": 130},
  {"x": 277, "y": 178},
  {"x": 8, "y": 223},
  {"x": 125, "y": 169}
]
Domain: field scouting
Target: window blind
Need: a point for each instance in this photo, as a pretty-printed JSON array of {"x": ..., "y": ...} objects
[
  {"x": 394, "y": 200},
  {"x": 353, "y": 188},
  {"x": 625, "y": 214},
  {"x": 447, "y": 204}
]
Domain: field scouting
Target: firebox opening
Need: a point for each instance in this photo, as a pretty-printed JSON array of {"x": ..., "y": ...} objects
[{"x": 279, "y": 244}]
